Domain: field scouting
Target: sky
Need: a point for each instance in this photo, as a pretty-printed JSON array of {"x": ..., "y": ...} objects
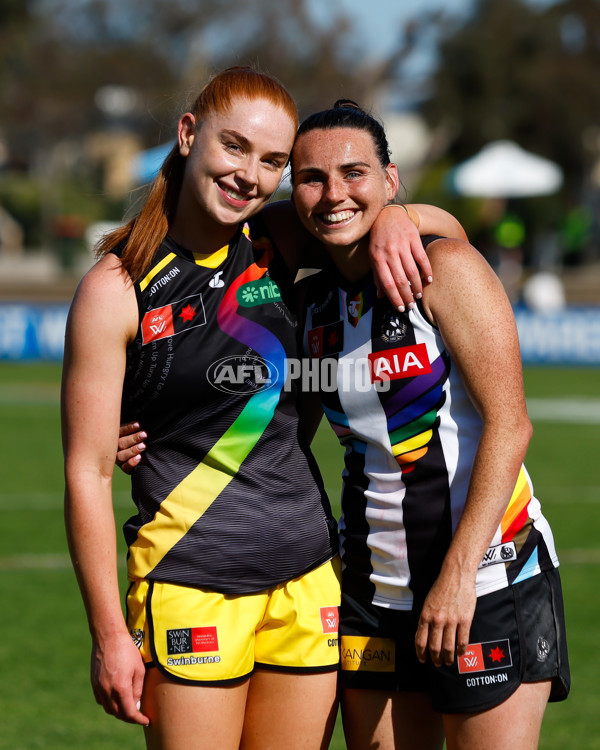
[{"x": 379, "y": 20}]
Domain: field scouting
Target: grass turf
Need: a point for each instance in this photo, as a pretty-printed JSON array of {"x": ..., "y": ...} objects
[{"x": 45, "y": 697}]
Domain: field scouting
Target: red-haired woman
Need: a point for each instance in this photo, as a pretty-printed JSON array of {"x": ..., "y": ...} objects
[{"x": 187, "y": 323}]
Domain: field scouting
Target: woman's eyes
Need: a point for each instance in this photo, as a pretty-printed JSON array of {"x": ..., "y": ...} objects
[
  {"x": 317, "y": 178},
  {"x": 235, "y": 147}
]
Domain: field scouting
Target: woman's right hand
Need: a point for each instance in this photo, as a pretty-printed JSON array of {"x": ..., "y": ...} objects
[
  {"x": 131, "y": 446},
  {"x": 117, "y": 673}
]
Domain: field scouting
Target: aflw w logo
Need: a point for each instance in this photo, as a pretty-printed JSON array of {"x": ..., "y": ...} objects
[
  {"x": 156, "y": 329},
  {"x": 329, "y": 619}
]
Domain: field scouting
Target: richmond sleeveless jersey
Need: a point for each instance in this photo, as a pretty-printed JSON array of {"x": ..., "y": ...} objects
[
  {"x": 228, "y": 493},
  {"x": 410, "y": 433}
]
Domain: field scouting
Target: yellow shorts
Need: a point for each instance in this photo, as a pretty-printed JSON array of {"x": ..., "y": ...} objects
[{"x": 199, "y": 636}]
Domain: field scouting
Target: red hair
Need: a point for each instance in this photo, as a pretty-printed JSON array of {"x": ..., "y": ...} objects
[{"x": 142, "y": 235}]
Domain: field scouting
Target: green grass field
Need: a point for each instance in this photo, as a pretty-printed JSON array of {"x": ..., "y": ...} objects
[{"x": 45, "y": 697}]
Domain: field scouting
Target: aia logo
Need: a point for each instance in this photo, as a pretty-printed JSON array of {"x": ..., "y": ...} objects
[
  {"x": 329, "y": 619},
  {"x": 403, "y": 362}
]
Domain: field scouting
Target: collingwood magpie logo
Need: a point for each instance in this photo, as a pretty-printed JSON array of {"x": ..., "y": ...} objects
[
  {"x": 543, "y": 648},
  {"x": 392, "y": 328}
]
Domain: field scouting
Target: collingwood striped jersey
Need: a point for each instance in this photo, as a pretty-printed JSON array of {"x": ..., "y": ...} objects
[
  {"x": 228, "y": 494},
  {"x": 410, "y": 434}
]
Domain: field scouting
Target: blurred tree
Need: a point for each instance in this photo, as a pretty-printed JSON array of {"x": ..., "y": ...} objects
[
  {"x": 515, "y": 71},
  {"x": 75, "y": 73},
  {"x": 57, "y": 55}
]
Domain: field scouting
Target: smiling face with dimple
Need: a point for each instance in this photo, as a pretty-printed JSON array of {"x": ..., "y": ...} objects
[
  {"x": 340, "y": 187},
  {"x": 234, "y": 162}
]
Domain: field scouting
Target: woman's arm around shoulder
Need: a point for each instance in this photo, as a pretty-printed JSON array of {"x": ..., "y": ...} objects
[
  {"x": 102, "y": 320},
  {"x": 397, "y": 252},
  {"x": 468, "y": 304}
]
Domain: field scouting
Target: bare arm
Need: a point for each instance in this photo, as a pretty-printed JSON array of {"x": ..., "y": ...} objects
[
  {"x": 395, "y": 248},
  {"x": 397, "y": 253},
  {"x": 475, "y": 318},
  {"x": 102, "y": 319}
]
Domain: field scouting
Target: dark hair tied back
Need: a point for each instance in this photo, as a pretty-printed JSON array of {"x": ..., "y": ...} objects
[
  {"x": 348, "y": 104},
  {"x": 346, "y": 113}
]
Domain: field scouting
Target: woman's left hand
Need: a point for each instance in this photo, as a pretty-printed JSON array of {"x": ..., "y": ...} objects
[
  {"x": 445, "y": 620},
  {"x": 396, "y": 253}
]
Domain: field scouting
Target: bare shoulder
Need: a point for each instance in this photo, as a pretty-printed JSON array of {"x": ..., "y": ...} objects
[
  {"x": 106, "y": 277},
  {"x": 105, "y": 297},
  {"x": 458, "y": 268},
  {"x": 448, "y": 254}
]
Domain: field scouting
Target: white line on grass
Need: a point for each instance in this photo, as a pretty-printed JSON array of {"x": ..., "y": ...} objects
[
  {"x": 575, "y": 409},
  {"x": 567, "y": 557},
  {"x": 29, "y": 394},
  {"x": 50, "y": 500},
  {"x": 40, "y": 562}
]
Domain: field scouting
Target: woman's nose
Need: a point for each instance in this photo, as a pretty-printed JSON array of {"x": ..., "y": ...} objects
[
  {"x": 249, "y": 171},
  {"x": 332, "y": 190}
]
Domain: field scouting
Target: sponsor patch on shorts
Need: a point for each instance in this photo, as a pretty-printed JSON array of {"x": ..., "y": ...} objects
[
  {"x": 192, "y": 640},
  {"x": 482, "y": 657},
  {"x": 330, "y": 619},
  {"x": 368, "y": 654}
]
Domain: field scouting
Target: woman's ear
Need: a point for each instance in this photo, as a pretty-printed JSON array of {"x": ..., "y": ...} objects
[
  {"x": 186, "y": 132},
  {"x": 392, "y": 181}
]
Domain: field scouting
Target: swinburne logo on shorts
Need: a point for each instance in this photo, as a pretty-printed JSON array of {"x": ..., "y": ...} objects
[
  {"x": 364, "y": 654},
  {"x": 403, "y": 362},
  {"x": 329, "y": 619},
  {"x": 192, "y": 640},
  {"x": 481, "y": 657}
]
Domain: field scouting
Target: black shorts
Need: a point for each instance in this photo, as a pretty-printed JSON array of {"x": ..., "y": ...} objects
[{"x": 517, "y": 635}]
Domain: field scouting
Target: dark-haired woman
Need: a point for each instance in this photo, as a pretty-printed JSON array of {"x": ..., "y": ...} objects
[{"x": 451, "y": 620}]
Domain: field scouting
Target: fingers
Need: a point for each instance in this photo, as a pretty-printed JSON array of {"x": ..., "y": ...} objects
[
  {"x": 441, "y": 641},
  {"x": 462, "y": 639},
  {"x": 129, "y": 439},
  {"x": 124, "y": 701},
  {"x": 418, "y": 268},
  {"x": 422, "y": 640},
  {"x": 400, "y": 281},
  {"x": 391, "y": 282},
  {"x": 128, "y": 428},
  {"x": 129, "y": 449}
]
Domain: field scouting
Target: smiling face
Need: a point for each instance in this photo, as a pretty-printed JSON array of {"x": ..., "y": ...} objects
[
  {"x": 234, "y": 162},
  {"x": 340, "y": 187}
]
